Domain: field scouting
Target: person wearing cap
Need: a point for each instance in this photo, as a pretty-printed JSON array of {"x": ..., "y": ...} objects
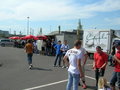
[
  {"x": 116, "y": 74},
  {"x": 99, "y": 63},
  {"x": 58, "y": 54}
]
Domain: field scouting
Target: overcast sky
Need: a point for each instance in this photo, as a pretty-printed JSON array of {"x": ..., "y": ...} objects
[{"x": 48, "y": 14}]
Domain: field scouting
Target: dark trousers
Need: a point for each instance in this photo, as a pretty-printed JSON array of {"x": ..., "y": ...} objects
[
  {"x": 58, "y": 60},
  {"x": 53, "y": 51},
  {"x": 48, "y": 50},
  {"x": 99, "y": 73},
  {"x": 29, "y": 58},
  {"x": 110, "y": 60}
]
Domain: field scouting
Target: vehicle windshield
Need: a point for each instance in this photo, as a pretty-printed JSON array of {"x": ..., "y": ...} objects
[{"x": 5, "y": 40}]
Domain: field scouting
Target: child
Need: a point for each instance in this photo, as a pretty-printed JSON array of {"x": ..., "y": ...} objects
[{"x": 102, "y": 84}]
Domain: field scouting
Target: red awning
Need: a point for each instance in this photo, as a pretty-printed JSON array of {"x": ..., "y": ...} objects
[
  {"x": 15, "y": 38},
  {"x": 42, "y": 37}
]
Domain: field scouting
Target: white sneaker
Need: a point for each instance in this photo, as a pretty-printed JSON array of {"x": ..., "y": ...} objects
[
  {"x": 30, "y": 66},
  {"x": 63, "y": 67}
]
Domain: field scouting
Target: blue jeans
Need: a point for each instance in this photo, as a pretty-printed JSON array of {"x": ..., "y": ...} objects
[
  {"x": 73, "y": 80},
  {"x": 115, "y": 78},
  {"x": 29, "y": 57}
]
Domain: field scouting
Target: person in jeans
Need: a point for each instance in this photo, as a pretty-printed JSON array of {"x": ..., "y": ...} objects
[
  {"x": 29, "y": 50},
  {"x": 113, "y": 51},
  {"x": 74, "y": 71},
  {"x": 48, "y": 47},
  {"x": 99, "y": 63},
  {"x": 64, "y": 49},
  {"x": 116, "y": 74},
  {"x": 58, "y": 54},
  {"x": 83, "y": 62}
]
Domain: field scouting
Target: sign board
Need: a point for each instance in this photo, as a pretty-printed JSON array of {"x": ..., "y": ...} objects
[{"x": 91, "y": 39}]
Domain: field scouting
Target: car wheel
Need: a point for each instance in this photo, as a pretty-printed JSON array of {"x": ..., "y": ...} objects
[{"x": 3, "y": 45}]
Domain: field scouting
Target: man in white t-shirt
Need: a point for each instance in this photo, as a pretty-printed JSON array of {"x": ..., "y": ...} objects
[
  {"x": 75, "y": 70},
  {"x": 83, "y": 62},
  {"x": 64, "y": 49}
]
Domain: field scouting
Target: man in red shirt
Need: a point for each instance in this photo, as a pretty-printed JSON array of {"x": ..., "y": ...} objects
[
  {"x": 116, "y": 74},
  {"x": 99, "y": 63}
]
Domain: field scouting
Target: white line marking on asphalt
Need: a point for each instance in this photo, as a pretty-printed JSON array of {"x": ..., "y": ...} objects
[
  {"x": 50, "y": 84},
  {"x": 92, "y": 78}
]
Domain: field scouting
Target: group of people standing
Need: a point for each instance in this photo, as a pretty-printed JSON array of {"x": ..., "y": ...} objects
[
  {"x": 76, "y": 71},
  {"x": 100, "y": 62},
  {"x": 44, "y": 47},
  {"x": 75, "y": 59},
  {"x": 61, "y": 50},
  {"x": 58, "y": 50}
]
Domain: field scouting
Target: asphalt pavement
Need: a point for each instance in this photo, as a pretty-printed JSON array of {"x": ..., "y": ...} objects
[{"x": 15, "y": 75}]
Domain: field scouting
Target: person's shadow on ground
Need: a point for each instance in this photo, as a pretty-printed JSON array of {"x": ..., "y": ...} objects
[
  {"x": 1, "y": 64},
  {"x": 37, "y": 68},
  {"x": 91, "y": 87}
]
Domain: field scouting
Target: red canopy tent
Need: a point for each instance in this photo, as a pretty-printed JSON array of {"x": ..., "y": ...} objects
[
  {"x": 22, "y": 38},
  {"x": 10, "y": 37},
  {"x": 15, "y": 38},
  {"x": 35, "y": 38},
  {"x": 42, "y": 37},
  {"x": 30, "y": 37}
]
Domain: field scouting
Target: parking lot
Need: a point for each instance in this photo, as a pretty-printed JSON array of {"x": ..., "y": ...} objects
[{"x": 15, "y": 75}]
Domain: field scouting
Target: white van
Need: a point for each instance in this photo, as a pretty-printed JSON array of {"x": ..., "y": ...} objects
[{"x": 6, "y": 42}]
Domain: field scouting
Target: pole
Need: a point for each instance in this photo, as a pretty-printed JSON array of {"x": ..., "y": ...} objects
[
  {"x": 30, "y": 31},
  {"x": 59, "y": 28},
  {"x": 28, "y": 25},
  {"x": 50, "y": 28},
  {"x": 10, "y": 31}
]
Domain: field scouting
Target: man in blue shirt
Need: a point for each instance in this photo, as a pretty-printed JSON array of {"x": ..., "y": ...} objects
[{"x": 58, "y": 54}]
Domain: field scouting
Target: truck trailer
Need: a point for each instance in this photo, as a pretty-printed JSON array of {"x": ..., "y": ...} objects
[{"x": 103, "y": 38}]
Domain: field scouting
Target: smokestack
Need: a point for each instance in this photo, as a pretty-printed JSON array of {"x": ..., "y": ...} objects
[
  {"x": 40, "y": 31},
  {"x": 59, "y": 28},
  {"x": 14, "y": 32}
]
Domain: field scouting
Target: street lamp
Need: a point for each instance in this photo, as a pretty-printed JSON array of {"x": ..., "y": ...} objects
[{"x": 28, "y": 25}]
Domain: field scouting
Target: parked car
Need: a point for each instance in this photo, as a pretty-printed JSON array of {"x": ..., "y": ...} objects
[{"x": 6, "y": 42}]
